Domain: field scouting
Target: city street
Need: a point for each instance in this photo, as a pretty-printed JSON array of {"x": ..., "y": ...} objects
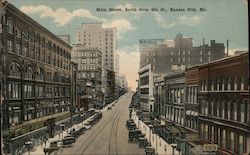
[{"x": 109, "y": 135}]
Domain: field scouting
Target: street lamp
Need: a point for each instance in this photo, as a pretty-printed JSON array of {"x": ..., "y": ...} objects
[
  {"x": 150, "y": 127},
  {"x": 173, "y": 146},
  {"x": 28, "y": 144}
]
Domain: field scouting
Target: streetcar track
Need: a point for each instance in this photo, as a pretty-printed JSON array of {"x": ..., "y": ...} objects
[
  {"x": 117, "y": 120},
  {"x": 90, "y": 135},
  {"x": 95, "y": 136},
  {"x": 116, "y": 148}
]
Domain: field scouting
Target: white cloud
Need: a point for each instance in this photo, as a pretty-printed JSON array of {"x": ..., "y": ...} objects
[
  {"x": 190, "y": 20},
  {"x": 61, "y": 16},
  {"x": 122, "y": 26},
  {"x": 129, "y": 63},
  {"x": 162, "y": 22},
  {"x": 182, "y": 20}
]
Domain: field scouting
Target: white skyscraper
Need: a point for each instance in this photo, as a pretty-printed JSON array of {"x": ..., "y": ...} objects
[{"x": 94, "y": 35}]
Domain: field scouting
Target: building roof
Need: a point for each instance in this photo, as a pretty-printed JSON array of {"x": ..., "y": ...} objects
[
  {"x": 220, "y": 60},
  {"x": 26, "y": 17}
]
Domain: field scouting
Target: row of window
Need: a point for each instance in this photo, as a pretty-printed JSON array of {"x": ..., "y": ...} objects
[
  {"x": 189, "y": 52},
  {"x": 32, "y": 38},
  {"x": 225, "y": 83},
  {"x": 15, "y": 71},
  {"x": 84, "y": 54},
  {"x": 29, "y": 113},
  {"x": 92, "y": 61},
  {"x": 226, "y": 139},
  {"x": 175, "y": 114},
  {"x": 14, "y": 91},
  {"x": 176, "y": 95},
  {"x": 231, "y": 110},
  {"x": 87, "y": 75},
  {"x": 38, "y": 55},
  {"x": 91, "y": 67}
]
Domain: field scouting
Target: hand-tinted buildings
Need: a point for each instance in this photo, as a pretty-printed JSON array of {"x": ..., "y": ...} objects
[{"x": 36, "y": 76}]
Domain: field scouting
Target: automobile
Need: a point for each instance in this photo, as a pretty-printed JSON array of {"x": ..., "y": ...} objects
[
  {"x": 68, "y": 141},
  {"x": 87, "y": 125},
  {"x": 82, "y": 130}
]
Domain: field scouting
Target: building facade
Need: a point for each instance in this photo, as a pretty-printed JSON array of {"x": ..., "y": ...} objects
[
  {"x": 179, "y": 54},
  {"x": 89, "y": 73},
  {"x": 105, "y": 39},
  {"x": 94, "y": 35},
  {"x": 224, "y": 117},
  {"x": 65, "y": 38},
  {"x": 147, "y": 50},
  {"x": 36, "y": 77}
]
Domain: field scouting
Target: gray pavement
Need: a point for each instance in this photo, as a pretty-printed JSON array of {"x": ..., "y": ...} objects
[{"x": 109, "y": 135}]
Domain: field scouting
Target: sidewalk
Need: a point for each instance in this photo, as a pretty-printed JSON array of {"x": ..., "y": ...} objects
[{"x": 38, "y": 150}]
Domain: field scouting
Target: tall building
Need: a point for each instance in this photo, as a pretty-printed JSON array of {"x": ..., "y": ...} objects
[
  {"x": 94, "y": 35},
  {"x": 65, "y": 38},
  {"x": 168, "y": 56},
  {"x": 147, "y": 50},
  {"x": 89, "y": 72},
  {"x": 179, "y": 54},
  {"x": 36, "y": 77}
]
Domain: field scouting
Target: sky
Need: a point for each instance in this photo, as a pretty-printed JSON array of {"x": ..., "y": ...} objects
[{"x": 221, "y": 20}]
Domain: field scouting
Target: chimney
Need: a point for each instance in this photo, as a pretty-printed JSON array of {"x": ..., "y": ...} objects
[
  {"x": 227, "y": 48},
  {"x": 212, "y": 42}
]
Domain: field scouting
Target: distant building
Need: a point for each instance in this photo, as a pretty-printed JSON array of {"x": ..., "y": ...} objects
[
  {"x": 89, "y": 75},
  {"x": 94, "y": 35},
  {"x": 166, "y": 57},
  {"x": 147, "y": 49},
  {"x": 65, "y": 38},
  {"x": 169, "y": 56}
]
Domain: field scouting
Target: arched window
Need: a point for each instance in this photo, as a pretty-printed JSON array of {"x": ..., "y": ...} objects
[
  {"x": 15, "y": 69},
  {"x": 32, "y": 37},
  {"x": 25, "y": 35},
  {"x": 18, "y": 32},
  {"x": 41, "y": 75},
  {"x": 10, "y": 25},
  {"x": 56, "y": 77},
  {"x": 62, "y": 80},
  {"x": 29, "y": 73}
]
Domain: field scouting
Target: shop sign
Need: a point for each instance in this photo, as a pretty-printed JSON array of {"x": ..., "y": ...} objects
[
  {"x": 191, "y": 137},
  {"x": 210, "y": 147}
]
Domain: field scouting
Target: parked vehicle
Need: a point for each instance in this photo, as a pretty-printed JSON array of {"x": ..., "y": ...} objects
[
  {"x": 54, "y": 145},
  {"x": 131, "y": 126},
  {"x": 149, "y": 150},
  {"x": 68, "y": 141}
]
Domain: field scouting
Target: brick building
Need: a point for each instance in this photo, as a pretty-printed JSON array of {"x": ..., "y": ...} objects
[
  {"x": 224, "y": 117},
  {"x": 36, "y": 77}
]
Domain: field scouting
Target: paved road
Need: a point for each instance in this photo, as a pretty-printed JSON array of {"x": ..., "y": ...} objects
[{"x": 109, "y": 135}]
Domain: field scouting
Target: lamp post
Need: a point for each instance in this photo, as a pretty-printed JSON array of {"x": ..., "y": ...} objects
[
  {"x": 150, "y": 130},
  {"x": 173, "y": 146},
  {"x": 28, "y": 143}
]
